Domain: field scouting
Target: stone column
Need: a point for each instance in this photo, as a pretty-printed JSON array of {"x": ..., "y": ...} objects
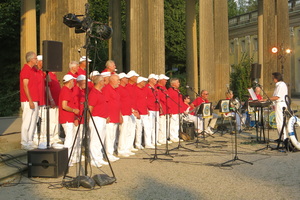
[
  {"x": 267, "y": 40},
  {"x": 28, "y": 29},
  {"x": 283, "y": 38},
  {"x": 156, "y": 38},
  {"x": 115, "y": 43},
  {"x": 207, "y": 47},
  {"x": 221, "y": 49},
  {"x": 191, "y": 47}
]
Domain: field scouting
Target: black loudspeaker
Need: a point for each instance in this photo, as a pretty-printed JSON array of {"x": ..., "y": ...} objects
[
  {"x": 255, "y": 71},
  {"x": 49, "y": 163},
  {"x": 189, "y": 128},
  {"x": 52, "y": 56}
]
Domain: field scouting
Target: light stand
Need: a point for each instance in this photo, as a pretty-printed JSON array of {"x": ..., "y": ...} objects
[
  {"x": 86, "y": 25},
  {"x": 236, "y": 158}
]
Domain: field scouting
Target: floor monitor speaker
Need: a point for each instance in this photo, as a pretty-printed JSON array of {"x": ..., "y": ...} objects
[
  {"x": 48, "y": 163},
  {"x": 255, "y": 71}
]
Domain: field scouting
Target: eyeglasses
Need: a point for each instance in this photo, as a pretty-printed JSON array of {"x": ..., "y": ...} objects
[{"x": 205, "y": 93}]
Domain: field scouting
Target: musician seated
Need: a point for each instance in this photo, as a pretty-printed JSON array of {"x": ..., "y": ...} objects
[
  {"x": 257, "y": 91},
  {"x": 209, "y": 123},
  {"x": 235, "y": 105},
  {"x": 188, "y": 114}
]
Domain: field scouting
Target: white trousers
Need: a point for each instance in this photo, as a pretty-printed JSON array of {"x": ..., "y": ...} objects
[
  {"x": 29, "y": 119},
  {"x": 127, "y": 134},
  {"x": 279, "y": 118},
  {"x": 197, "y": 121},
  {"x": 154, "y": 117},
  {"x": 143, "y": 124},
  {"x": 174, "y": 126},
  {"x": 54, "y": 125},
  {"x": 110, "y": 138},
  {"x": 162, "y": 129},
  {"x": 95, "y": 145},
  {"x": 69, "y": 139}
]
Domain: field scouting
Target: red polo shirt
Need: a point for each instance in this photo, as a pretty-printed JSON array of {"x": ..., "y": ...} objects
[
  {"x": 79, "y": 99},
  {"x": 162, "y": 99},
  {"x": 114, "y": 103},
  {"x": 81, "y": 72},
  {"x": 29, "y": 73},
  {"x": 175, "y": 101},
  {"x": 41, "y": 87},
  {"x": 99, "y": 102},
  {"x": 66, "y": 116},
  {"x": 74, "y": 75},
  {"x": 141, "y": 101},
  {"x": 126, "y": 103},
  {"x": 198, "y": 101},
  {"x": 54, "y": 87},
  {"x": 152, "y": 95},
  {"x": 131, "y": 90}
]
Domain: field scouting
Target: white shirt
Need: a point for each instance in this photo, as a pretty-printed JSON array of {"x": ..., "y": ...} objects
[{"x": 280, "y": 91}]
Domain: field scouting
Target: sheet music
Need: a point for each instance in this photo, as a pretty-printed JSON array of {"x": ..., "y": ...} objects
[{"x": 252, "y": 94}]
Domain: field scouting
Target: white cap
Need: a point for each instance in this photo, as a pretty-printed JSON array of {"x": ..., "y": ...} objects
[
  {"x": 141, "y": 79},
  {"x": 81, "y": 77},
  {"x": 94, "y": 73},
  {"x": 122, "y": 75},
  {"x": 83, "y": 58},
  {"x": 153, "y": 76},
  {"x": 105, "y": 74},
  {"x": 132, "y": 73},
  {"x": 67, "y": 78},
  {"x": 162, "y": 76},
  {"x": 39, "y": 57}
]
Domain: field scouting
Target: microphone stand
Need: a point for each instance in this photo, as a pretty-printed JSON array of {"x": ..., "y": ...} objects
[
  {"x": 179, "y": 116},
  {"x": 188, "y": 87},
  {"x": 167, "y": 153},
  {"x": 155, "y": 157}
]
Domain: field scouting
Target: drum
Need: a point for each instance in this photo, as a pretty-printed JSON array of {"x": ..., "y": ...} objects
[{"x": 189, "y": 129}]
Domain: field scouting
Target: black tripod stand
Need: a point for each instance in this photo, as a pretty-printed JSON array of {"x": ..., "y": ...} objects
[
  {"x": 236, "y": 158},
  {"x": 85, "y": 180}
]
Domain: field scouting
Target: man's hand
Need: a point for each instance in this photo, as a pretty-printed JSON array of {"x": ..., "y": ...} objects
[
  {"x": 31, "y": 105},
  {"x": 76, "y": 111}
]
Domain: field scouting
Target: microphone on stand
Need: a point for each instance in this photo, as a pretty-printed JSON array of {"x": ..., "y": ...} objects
[
  {"x": 228, "y": 90},
  {"x": 151, "y": 88},
  {"x": 256, "y": 83},
  {"x": 188, "y": 87}
]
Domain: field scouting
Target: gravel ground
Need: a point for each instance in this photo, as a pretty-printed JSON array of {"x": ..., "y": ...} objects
[{"x": 193, "y": 173}]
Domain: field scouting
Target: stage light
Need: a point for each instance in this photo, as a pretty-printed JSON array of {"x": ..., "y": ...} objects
[
  {"x": 72, "y": 21},
  {"x": 274, "y": 50},
  {"x": 288, "y": 51}
]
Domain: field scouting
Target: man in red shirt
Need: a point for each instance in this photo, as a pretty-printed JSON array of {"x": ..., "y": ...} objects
[
  {"x": 143, "y": 123},
  {"x": 153, "y": 107},
  {"x": 54, "y": 90},
  {"x": 99, "y": 107},
  {"x": 209, "y": 123},
  {"x": 162, "y": 96},
  {"x": 79, "y": 100},
  {"x": 131, "y": 87},
  {"x": 106, "y": 76},
  {"x": 67, "y": 111},
  {"x": 114, "y": 115},
  {"x": 41, "y": 136},
  {"x": 126, "y": 130},
  {"x": 82, "y": 65},
  {"x": 110, "y": 66},
  {"x": 74, "y": 67},
  {"x": 175, "y": 102},
  {"x": 29, "y": 98}
]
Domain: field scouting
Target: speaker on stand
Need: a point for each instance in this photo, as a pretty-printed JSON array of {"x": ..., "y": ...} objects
[{"x": 255, "y": 71}]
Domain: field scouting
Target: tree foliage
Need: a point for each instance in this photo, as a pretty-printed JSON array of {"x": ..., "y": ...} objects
[
  {"x": 240, "y": 78},
  {"x": 238, "y": 7},
  {"x": 10, "y": 56}
]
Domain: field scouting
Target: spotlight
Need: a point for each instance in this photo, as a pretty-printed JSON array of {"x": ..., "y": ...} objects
[
  {"x": 274, "y": 50},
  {"x": 72, "y": 21},
  {"x": 102, "y": 31},
  {"x": 288, "y": 51}
]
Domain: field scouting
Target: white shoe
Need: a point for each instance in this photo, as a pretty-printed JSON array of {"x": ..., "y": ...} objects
[
  {"x": 130, "y": 153},
  {"x": 113, "y": 158},
  {"x": 209, "y": 131},
  {"x": 140, "y": 147},
  {"x": 102, "y": 162},
  {"x": 150, "y": 147},
  {"x": 96, "y": 164},
  {"x": 123, "y": 154},
  {"x": 175, "y": 140},
  {"x": 133, "y": 149}
]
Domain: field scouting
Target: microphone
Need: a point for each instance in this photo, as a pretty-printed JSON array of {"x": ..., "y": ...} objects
[
  {"x": 160, "y": 88},
  {"x": 228, "y": 90},
  {"x": 256, "y": 83},
  {"x": 188, "y": 87}
]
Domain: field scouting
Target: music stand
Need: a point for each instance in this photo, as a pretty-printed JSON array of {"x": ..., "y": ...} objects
[
  {"x": 224, "y": 107},
  {"x": 205, "y": 110}
]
